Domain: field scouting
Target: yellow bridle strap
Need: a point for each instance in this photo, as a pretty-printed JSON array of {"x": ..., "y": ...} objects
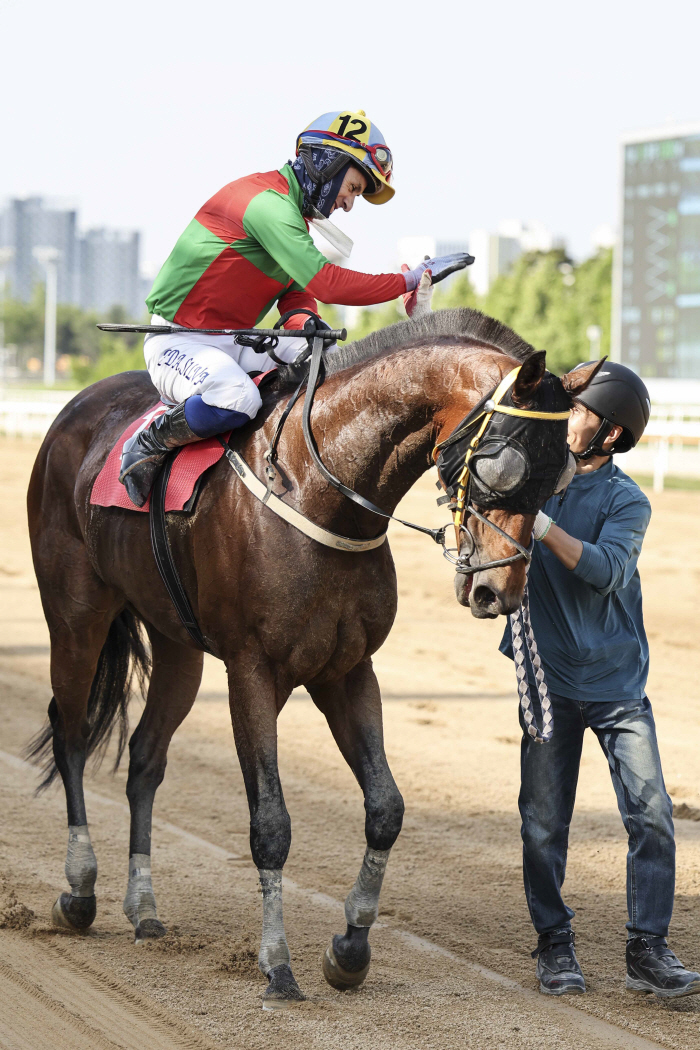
[
  {"x": 502, "y": 388},
  {"x": 507, "y": 411}
]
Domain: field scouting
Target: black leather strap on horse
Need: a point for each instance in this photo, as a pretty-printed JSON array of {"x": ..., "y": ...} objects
[
  {"x": 164, "y": 555},
  {"x": 315, "y": 374}
]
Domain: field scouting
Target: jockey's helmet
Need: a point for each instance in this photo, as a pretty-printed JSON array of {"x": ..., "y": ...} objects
[{"x": 351, "y": 132}]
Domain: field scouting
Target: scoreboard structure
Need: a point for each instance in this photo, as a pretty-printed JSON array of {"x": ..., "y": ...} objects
[{"x": 656, "y": 292}]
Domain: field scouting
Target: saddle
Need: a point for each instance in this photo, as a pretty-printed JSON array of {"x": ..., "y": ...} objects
[{"x": 188, "y": 466}]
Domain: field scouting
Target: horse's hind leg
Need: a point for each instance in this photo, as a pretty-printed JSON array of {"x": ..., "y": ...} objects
[
  {"x": 175, "y": 679},
  {"x": 353, "y": 709},
  {"x": 89, "y": 660}
]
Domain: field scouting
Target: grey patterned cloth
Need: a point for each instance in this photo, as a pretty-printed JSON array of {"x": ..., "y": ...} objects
[{"x": 524, "y": 639}]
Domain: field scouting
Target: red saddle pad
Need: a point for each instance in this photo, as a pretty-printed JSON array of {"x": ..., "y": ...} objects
[
  {"x": 189, "y": 465},
  {"x": 191, "y": 462}
]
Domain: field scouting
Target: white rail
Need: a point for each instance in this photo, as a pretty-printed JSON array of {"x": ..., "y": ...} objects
[
  {"x": 670, "y": 446},
  {"x": 30, "y": 414}
]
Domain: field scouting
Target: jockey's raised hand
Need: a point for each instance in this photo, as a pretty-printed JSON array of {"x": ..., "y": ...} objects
[
  {"x": 440, "y": 268},
  {"x": 418, "y": 302}
]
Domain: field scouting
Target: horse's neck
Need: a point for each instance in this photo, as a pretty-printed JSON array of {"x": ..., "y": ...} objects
[{"x": 375, "y": 429}]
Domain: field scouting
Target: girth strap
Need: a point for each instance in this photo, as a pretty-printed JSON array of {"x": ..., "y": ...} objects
[
  {"x": 290, "y": 514},
  {"x": 164, "y": 555}
]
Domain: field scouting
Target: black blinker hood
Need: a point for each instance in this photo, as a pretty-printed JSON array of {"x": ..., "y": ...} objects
[{"x": 544, "y": 441}]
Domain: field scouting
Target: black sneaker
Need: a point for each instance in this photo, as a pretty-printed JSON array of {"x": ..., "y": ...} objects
[
  {"x": 653, "y": 967},
  {"x": 558, "y": 970}
]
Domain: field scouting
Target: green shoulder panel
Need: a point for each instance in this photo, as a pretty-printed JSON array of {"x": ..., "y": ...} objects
[
  {"x": 194, "y": 251},
  {"x": 274, "y": 221}
]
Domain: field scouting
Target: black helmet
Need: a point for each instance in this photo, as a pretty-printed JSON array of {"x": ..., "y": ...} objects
[{"x": 620, "y": 398}]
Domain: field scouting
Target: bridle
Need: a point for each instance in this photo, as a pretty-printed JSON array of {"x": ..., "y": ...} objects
[
  {"x": 458, "y": 492},
  {"x": 461, "y": 507}
]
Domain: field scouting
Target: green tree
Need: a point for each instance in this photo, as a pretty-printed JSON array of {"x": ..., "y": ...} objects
[
  {"x": 550, "y": 302},
  {"x": 113, "y": 356},
  {"x": 457, "y": 291},
  {"x": 93, "y": 354}
]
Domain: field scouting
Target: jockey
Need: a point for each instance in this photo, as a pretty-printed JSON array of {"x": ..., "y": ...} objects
[{"x": 246, "y": 249}]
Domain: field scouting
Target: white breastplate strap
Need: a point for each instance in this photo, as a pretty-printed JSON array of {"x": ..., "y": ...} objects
[{"x": 292, "y": 516}]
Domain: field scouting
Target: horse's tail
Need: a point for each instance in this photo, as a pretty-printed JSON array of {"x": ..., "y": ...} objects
[{"x": 124, "y": 657}]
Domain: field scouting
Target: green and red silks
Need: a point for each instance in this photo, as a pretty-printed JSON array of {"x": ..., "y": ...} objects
[{"x": 249, "y": 247}]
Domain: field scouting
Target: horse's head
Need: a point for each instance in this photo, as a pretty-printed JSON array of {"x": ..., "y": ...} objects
[{"x": 500, "y": 466}]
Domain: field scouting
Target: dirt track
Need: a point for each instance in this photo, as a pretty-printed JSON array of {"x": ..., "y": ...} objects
[{"x": 454, "y": 877}]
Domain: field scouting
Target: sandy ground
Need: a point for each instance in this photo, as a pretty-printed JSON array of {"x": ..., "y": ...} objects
[{"x": 451, "y": 964}]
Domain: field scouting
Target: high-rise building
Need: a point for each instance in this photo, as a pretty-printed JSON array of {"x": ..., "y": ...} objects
[
  {"x": 97, "y": 270},
  {"x": 495, "y": 253},
  {"x": 413, "y": 250},
  {"x": 109, "y": 271},
  {"x": 31, "y": 223},
  {"x": 656, "y": 311}
]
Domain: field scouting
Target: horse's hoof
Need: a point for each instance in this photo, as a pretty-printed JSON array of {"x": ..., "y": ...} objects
[
  {"x": 149, "y": 930},
  {"x": 282, "y": 992},
  {"x": 339, "y": 978},
  {"x": 74, "y": 913}
]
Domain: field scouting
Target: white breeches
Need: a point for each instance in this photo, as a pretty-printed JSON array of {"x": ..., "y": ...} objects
[{"x": 186, "y": 363}]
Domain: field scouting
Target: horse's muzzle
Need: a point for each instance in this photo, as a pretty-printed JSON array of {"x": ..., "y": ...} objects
[
  {"x": 485, "y": 599},
  {"x": 485, "y": 603}
]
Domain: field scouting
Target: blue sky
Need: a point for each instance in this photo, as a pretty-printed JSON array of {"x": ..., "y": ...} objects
[{"x": 140, "y": 111}]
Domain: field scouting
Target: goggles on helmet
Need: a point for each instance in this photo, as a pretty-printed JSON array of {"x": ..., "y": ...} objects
[{"x": 379, "y": 153}]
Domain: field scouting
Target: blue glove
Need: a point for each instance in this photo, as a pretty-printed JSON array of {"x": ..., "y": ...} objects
[{"x": 439, "y": 268}]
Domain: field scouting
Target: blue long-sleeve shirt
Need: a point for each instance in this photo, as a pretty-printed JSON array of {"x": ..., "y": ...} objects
[{"x": 588, "y": 621}]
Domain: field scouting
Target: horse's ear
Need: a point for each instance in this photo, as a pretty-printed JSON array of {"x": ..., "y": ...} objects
[
  {"x": 576, "y": 382},
  {"x": 530, "y": 376}
]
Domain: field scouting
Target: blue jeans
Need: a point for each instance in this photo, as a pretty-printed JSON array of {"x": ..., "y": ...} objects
[{"x": 627, "y": 735}]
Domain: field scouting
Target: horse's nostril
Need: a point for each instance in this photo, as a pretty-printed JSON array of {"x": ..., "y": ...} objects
[{"x": 484, "y": 597}]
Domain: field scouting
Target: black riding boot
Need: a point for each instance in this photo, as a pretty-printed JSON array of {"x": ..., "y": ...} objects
[
  {"x": 558, "y": 968},
  {"x": 143, "y": 454},
  {"x": 653, "y": 967}
]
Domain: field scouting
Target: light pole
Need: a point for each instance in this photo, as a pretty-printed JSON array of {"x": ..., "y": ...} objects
[
  {"x": 48, "y": 257},
  {"x": 6, "y": 256},
  {"x": 594, "y": 333}
]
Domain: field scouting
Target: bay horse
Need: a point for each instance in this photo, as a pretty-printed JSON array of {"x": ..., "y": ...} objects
[{"x": 278, "y": 608}]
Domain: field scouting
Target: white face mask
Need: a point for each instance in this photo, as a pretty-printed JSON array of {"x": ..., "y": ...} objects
[{"x": 340, "y": 241}]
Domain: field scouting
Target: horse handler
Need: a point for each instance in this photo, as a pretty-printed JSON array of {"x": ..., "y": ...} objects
[{"x": 586, "y": 609}]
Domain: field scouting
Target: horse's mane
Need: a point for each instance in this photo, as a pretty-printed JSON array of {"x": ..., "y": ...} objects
[{"x": 447, "y": 327}]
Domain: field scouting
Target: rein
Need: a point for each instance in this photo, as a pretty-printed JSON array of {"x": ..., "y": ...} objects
[
  {"x": 484, "y": 411},
  {"x": 314, "y": 374}
]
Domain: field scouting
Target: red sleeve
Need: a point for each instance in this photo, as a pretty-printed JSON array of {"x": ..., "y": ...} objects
[
  {"x": 333, "y": 284},
  {"x": 297, "y": 300}
]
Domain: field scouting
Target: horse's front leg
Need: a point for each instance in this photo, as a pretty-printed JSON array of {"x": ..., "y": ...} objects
[
  {"x": 353, "y": 709},
  {"x": 175, "y": 679},
  {"x": 254, "y": 709}
]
